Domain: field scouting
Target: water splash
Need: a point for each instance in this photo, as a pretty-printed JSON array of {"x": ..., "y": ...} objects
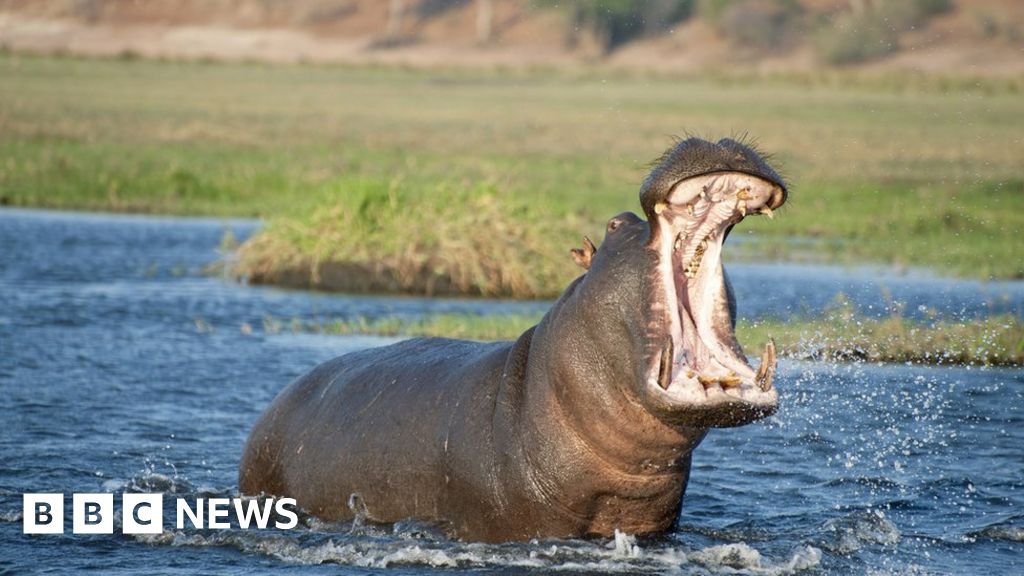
[
  {"x": 854, "y": 531},
  {"x": 621, "y": 554}
]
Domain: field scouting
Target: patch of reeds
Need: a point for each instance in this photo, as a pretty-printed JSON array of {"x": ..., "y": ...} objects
[
  {"x": 993, "y": 341},
  {"x": 387, "y": 239}
]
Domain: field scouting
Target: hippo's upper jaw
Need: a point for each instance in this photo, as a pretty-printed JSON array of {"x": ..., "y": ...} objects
[{"x": 697, "y": 372}]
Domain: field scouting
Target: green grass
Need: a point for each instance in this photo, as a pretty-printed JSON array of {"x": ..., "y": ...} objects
[
  {"x": 993, "y": 341},
  {"x": 463, "y": 326},
  {"x": 480, "y": 182},
  {"x": 839, "y": 335}
]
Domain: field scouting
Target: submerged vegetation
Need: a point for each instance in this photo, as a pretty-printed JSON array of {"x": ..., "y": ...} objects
[
  {"x": 479, "y": 182},
  {"x": 841, "y": 335}
]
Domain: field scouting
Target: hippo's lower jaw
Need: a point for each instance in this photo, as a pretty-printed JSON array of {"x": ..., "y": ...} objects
[{"x": 701, "y": 376}]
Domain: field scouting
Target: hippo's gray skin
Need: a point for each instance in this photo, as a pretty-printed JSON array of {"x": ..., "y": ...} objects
[{"x": 584, "y": 424}]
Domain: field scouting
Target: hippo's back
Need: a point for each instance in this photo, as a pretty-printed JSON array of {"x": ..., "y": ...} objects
[{"x": 373, "y": 423}]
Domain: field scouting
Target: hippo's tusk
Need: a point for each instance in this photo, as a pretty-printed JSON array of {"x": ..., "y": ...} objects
[
  {"x": 665, "y": 370},
  {"x": 766, "y": 371}
]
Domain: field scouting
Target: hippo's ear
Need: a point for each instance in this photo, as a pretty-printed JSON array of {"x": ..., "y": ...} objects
[{"x": 582, "y": 256}]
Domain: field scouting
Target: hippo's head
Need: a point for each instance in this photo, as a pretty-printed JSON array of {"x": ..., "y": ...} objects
[{"x": 658, "y": 289}]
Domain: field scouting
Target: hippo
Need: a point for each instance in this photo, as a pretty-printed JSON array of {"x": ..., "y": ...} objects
[{"x": 584, "y": 425}]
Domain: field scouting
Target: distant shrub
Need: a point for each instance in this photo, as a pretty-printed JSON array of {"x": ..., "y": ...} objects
[
  {"x": 906, "y": 14},
  {"x": 855, "y": 39},
  {"x": 874, "y": 33},
  {"x": 615, "y": 22},
  {"x": 762, "y": 24},
  {"x": 929, "y": 8},
  {"x": 713, "y": 10},
  {"x": 431, "y": 8}
]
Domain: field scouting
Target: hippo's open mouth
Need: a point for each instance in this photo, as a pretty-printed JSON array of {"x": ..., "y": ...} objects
[{"x": 700, "y": 362}]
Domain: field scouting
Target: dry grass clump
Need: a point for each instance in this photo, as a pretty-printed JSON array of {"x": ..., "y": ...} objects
[{"x": 377, "y": 238}]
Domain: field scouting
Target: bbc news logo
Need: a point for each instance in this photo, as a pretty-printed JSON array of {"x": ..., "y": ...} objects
[{"x": 144, "y": 513}]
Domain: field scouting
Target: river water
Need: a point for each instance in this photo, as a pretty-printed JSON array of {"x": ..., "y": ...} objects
[{"x": 125, "y": 368}]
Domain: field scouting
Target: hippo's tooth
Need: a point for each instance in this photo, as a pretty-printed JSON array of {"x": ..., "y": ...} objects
[
  {"x": 679, "y": 242},
  {"x": 741, "y": 206},
  {"x": 767, "y": 212},
  {"x": 660, "y": 207},
  {"x": 730, "y": 381},
  {"x": 744, "y": 194},
  {"x": 766, "y": 371},
  {"x": 665, "y": 369}
]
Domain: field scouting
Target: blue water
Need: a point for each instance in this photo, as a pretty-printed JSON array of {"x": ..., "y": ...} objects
[{"x": 125, "y": 367}]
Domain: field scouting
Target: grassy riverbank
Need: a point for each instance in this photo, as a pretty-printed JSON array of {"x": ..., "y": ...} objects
[
  {"x": 841, "y": 335},
  {"x": 480, "y": 182}
]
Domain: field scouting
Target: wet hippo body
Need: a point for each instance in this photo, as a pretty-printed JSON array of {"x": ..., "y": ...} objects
[{"x": 584, "y": 424}]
